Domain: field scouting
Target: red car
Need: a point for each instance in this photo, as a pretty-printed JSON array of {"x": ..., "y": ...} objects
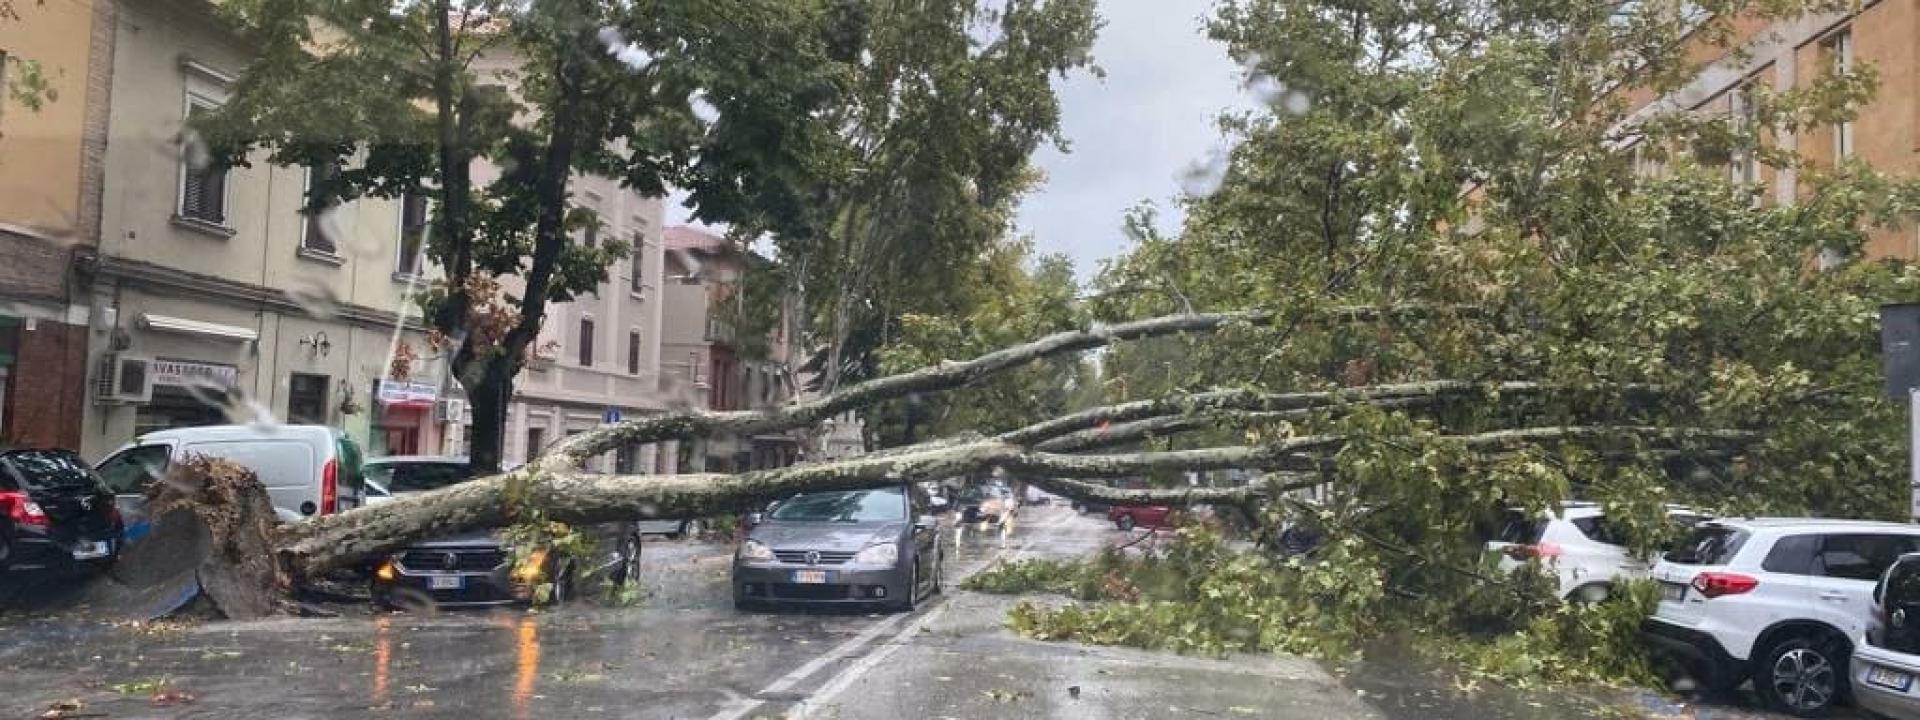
[{"x": 1128, "y": 517}]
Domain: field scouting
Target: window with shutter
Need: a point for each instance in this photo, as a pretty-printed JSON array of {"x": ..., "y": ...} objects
[
  {"x": 413, "y": 233},
  {"x": 314, "y": 235},
  {"x": 203, "y": 185}
]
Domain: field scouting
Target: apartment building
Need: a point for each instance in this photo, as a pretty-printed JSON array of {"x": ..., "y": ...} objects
[
  {"x": 49, "y": 205},
  {"x": 215, "y": 298},
  {"x": 1780, "y": 56},
  {"x": 717, "y": 366}
]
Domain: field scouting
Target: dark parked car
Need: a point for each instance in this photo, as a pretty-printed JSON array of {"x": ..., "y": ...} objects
[
  {"x": 1128, "y": 517},
  {"x": 476, "y": 569},
  {"x": 1884, "y": 667},
  {"x": 1090, "y": 508},
  {"x": 985, "y": 503},
  {"x": 873, "y": 547},
  {"x": 55, "y": 513}
]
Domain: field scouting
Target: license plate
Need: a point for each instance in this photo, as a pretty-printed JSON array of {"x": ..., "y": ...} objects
[
  {"x": 1673, "y": 592},
  {"x": 810, "y": 577},
  {"x": 444, "y": 582},
  {"x": 1889, "y": 678},
  {"x": 91, "y": 551}
]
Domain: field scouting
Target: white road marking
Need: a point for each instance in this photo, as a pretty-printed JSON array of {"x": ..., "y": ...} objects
[{"x": 738, "y": 709}]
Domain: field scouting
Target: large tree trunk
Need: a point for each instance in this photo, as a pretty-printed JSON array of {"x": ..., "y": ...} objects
[{"x": 489, "y": 401}]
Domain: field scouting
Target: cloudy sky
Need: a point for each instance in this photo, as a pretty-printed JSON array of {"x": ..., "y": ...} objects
[
  {"x": 1132, "y": 133},
  {"x": 1135, "y": 131}
]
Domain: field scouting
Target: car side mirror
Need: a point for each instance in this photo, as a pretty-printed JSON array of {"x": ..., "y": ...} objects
[
  {"x": 755, "y": 518},
  {"x": 924, "y": 522}
]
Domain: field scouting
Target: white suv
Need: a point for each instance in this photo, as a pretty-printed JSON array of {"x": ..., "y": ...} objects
[
  {"x": 1777, "y": 600},
  {"x": 1585, "y": 553}
]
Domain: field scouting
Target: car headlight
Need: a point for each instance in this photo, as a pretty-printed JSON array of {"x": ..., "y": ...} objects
[
  {"x": 878, "y": 555},
  {"x": 756, "y": 551}
]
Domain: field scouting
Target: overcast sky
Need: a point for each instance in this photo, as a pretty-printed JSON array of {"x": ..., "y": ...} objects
[{"x": 1132, "y": 133}]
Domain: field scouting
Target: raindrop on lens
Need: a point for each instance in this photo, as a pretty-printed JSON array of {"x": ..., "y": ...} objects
[
  {"x": 313, "y": 297},
  {"x": 1204, "y": 177},
  {"x": 1297, "y": 102},
  {"x": 702, "y": 109},
  {"x": 1265, "y": 89},
  {"x": 193, "y": 149}
]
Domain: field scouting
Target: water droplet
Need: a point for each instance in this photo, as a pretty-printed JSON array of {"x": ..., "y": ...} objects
[
  {"x": 193, "y": 149},
  {"x": 1297, "y": 102},
  {"x": 1264, "y": 89},
  {"x": 1204, "y": 177},
  {"x": 702, "y": 109},
  {"x": 206, "y": 392},
  {"x": 629, "y": 54},
  {"x": 313, "y": 296},
  {"x": 255, "y": 415}
]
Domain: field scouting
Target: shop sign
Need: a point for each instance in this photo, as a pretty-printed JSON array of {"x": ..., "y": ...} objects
[
  {"x": 186, "y": 373},
  {"x": 395, "y": 392}
]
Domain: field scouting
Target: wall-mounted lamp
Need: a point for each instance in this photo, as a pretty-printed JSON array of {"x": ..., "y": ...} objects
[{"x": 317, "y": 343}]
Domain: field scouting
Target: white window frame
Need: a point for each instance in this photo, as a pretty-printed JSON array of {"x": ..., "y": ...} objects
[
  {"x": 587, "y": 323},
  {"x": 400, "y": 244},
  {"x": 307, "y": 221},
  {"x": 201, "y": 101},
  {"x": 1840, "y": 44}
]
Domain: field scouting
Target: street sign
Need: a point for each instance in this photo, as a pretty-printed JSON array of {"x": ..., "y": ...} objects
[{"x": 611, "y": 416}]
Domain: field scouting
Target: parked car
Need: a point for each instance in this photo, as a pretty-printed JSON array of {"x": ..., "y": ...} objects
[
  {"x": 854, "y": 547},
  {"x": 1888, "y": 659},
  {"x": 55, "y": 513},
  {"x": 986, "y": 503},
  {"x": 1128, "y": 517},
  {"x": 1091, "y": 508},
  {"x": 476, "y": 569},
  {"x": 1585, "y": 553},
  {"x": 1035, "y": 496},
  {"x": 307, "y": 469},
  {"x": 1778, "y": 600}
]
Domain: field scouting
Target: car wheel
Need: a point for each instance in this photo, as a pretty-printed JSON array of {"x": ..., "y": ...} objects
[
  {"x": 1125, "y": 523},
  {"x": 909, "y": 598},
  {"x": 1591, "y": 594},
  {"x": 628, "y": 569},
  {"x": 939, "y": 560},
  {"x": 562, "y": 584},
  {"x": 1802, "y": 676}
]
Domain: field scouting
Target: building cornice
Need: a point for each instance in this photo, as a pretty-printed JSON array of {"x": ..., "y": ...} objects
[{"x": 169, "y": 280}]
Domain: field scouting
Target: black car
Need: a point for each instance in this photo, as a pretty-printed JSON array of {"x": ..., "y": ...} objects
[
  {"x": 476, "y": 569},
  {"x": 55, "y": 513}
]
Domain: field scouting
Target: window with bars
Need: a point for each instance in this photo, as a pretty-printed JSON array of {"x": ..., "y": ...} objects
[
  {"x": 314, "y": 235},
  {"x": 633, "y": 352},
  {"x": 203, "y": 185},
  {"x": 1838, "y": 48},
  {"x": 586, "y": 342},
  {"x": 413, "y": 233}
]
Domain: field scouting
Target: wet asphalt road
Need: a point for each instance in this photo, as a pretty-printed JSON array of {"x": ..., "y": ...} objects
[{"x": 685, "y": 653}]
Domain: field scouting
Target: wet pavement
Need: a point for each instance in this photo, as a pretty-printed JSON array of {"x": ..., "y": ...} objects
[{"x": 683, "y": 652}]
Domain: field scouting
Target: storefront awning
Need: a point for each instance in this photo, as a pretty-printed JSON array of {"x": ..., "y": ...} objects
[{"x": 168, "y": 323}]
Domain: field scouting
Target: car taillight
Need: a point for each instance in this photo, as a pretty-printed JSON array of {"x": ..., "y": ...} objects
[
  {"x": 1716, "y": 584},
  {"x": 329, "y": 486},
  {"x": 22, "y": 509},
  {"x": 1528, "y": 552}
]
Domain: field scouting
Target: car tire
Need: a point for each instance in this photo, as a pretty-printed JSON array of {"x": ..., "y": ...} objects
[
  {"x": 1125, "y": 523},
  {"x": 628, "y": 569},
  {"x": 1590, "y": 594},
  {"x": 1803, "y": 676},
  {"x": 563, "y": 584},
  {"x": 909, "y": 599}
]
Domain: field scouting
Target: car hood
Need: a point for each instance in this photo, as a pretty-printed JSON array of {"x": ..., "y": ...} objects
[
  {"x": 479, "y": 538},
  {"x": 850, "y": 537}
]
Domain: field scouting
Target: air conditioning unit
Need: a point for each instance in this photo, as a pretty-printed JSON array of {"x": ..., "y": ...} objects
[
  {"x": 449, "y": 410},
  {"x": 124, "y": 379}
]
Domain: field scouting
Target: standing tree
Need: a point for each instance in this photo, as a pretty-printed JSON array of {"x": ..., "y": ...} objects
[{"x": 494, "y": 107}]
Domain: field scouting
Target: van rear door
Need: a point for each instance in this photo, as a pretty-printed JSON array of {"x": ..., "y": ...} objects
[{"x": 288, "y": 467}]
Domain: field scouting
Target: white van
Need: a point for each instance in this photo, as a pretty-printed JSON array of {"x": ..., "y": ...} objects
[{"x": 308, "y": 469}]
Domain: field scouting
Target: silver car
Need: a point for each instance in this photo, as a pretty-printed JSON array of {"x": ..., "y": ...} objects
[{"x": 856, "y": 547}]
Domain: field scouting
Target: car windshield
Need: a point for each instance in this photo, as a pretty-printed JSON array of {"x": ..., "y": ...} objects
[
  {"x": 855, "y": 506},
  {"x": 1708, "y": 545},
  {"x": 50, "y": 470},
  {"x": 416, "y": 476}
]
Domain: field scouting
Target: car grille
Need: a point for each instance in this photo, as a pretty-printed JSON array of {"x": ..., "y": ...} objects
[
  {"x": 799, "y": 557},
  {"x": 791, "y": 591},
  {"x": 462, "y": 560}
]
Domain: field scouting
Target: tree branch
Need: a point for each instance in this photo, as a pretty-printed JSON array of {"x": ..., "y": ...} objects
[{"x": 698, "y": 423}]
